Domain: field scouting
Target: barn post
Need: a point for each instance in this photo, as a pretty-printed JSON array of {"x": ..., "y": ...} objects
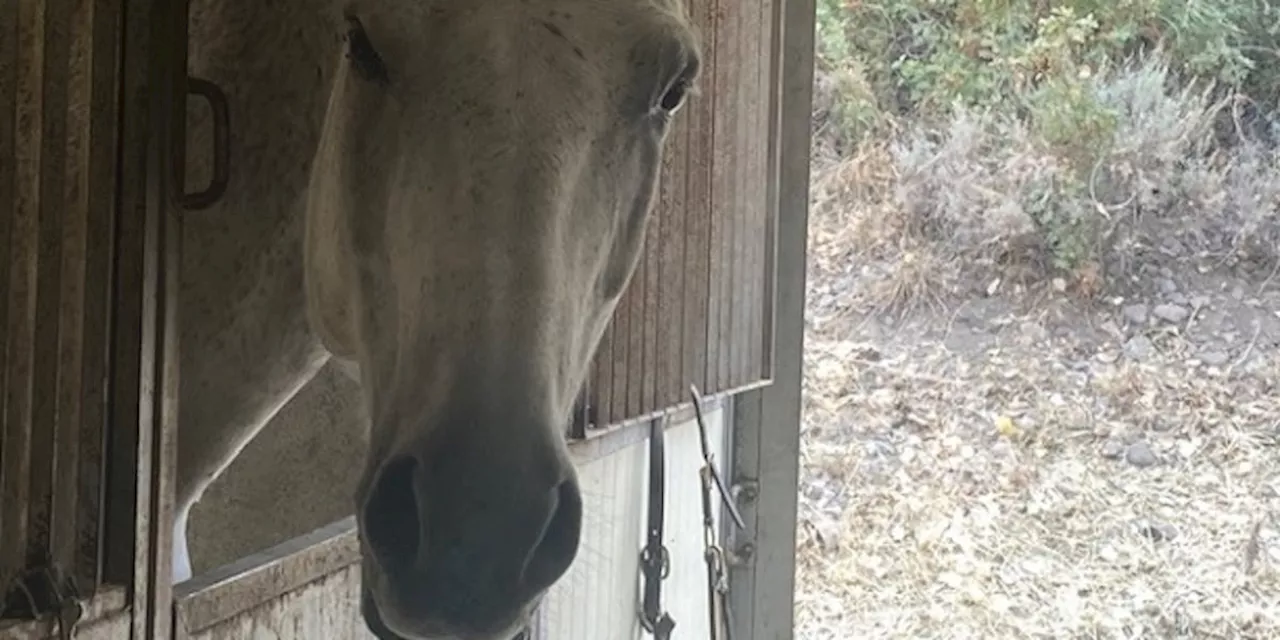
[
  {"x": 155, "y": 107},
  {"x": 766, "y": 421}
]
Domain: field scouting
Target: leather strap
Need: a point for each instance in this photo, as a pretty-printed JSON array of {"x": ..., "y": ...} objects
[{"x": 655, "y": 563}]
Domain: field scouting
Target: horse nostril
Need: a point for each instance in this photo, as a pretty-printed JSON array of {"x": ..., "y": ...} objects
[
  {"x": 558, "y": 545},
  {"x": 391, "y": 522}
]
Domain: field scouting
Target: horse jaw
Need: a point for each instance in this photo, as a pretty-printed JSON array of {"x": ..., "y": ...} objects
[{"x": 327, "y": 268}]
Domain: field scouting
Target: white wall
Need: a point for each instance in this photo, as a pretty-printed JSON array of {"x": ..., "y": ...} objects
[{"x": 600, "y": 596}]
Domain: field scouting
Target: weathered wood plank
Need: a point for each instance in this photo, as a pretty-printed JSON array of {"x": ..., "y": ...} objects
[
  {"x": 59, "y": 98},
  {"x": 749, "y": 368},
  {"x": 749, "y": 354},
  {"x": 72, "y": 213},
  {"x": 601, "y": 384},
  {"x": 653, "y": 287},
  {"x": 94, "y": 113},
  {"x": 8, "y": 213},
  {"x": 695, "y": 311},
  {"x": 23, "y": 261},
  {"x": 725, "y": 193},
  {"x": 129, "y": 287},
  {"x": 743, "y": 207},
  {"x": 50, "y": 293},
  {"x": 621, "y": 344},
  {"x": 701, "y": 119},
  {"x": 326, "y": 608},
  {"x": 635, "y": 335},
  {"x": 234, "y": 590},
  {"x": 773, "y": 121},
  {"x": 671, "y": 273}
]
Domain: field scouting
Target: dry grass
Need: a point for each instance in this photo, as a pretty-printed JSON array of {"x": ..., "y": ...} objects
[
  {"x": 948, "y": 494},
  {"x": 938, "y": 212},
  {"x": 1019, "y": 473}
]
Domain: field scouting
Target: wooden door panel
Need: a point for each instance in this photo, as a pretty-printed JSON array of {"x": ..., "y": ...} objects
[{"x": 699, "y": 309}]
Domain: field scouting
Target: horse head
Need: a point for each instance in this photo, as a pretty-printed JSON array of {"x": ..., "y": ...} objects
[{"x": 476, "y": 208}]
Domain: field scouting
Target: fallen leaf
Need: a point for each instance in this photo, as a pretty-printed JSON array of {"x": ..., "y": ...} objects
[{"x": 1006, "y": 427}]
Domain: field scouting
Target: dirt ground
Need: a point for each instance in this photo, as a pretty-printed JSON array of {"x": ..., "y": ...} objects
[{"x": 1028, "y": 465}]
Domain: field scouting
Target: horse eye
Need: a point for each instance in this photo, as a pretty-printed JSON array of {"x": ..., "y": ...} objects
[
  {"x": 674, "y": 97},
  {"x": 368, "y": 64}
]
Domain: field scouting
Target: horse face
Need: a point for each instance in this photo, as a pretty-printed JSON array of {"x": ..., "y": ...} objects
[{"x": 479, "y": 199}]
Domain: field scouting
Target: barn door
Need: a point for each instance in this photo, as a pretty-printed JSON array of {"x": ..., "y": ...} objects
[{"x": 82, "y": 315}]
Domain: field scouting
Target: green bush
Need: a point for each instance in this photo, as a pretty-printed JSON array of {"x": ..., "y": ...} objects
[
  {"x": 923, "y": 58},
  {"x": 986, "y": 194},
  {"x": 1073, "y": 137}
]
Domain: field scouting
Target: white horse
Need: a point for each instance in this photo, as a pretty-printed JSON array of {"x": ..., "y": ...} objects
[{"x": 448, "y": 196}]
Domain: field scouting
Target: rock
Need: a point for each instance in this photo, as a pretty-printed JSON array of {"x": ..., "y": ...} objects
[
  {"x": 1135, "y": 313},
  {"x": 1214, "y": 358},
  {"x": 1034, "y": 331},
  {"x": 1112, "y": 449},
  {"x": 1200, "y": 301},
  {"x": 1158, "y": 531},
  {"x": 1179, "y": 299},
  {"x": 1237, "y": 293},
  {"x": 1171, "y": 313},
  {"x": 1138, "y": 348},
  {"x": 826, "y": 533},
  {"x": 877, "y": 448},
  {"x": 1139, "y": 454},
  {"x": 1166, "y": 285},
  {"x": 814, "y": 492},
  {"x": 1172, "y": 248}
]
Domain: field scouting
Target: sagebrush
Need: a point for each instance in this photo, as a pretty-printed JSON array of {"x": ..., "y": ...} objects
[{"x": 1015, "y": 140}]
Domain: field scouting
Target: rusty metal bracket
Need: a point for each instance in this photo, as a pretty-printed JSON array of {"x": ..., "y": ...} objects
[{"x": 221, "y": 149}]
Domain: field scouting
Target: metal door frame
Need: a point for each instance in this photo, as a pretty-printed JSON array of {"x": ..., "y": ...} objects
[{"x": 765, "y": 437}]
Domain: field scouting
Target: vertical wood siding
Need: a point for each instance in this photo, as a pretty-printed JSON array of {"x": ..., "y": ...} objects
[
  {"x": 58, "y": 181},
  {"x": 699, "y": 308}
]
